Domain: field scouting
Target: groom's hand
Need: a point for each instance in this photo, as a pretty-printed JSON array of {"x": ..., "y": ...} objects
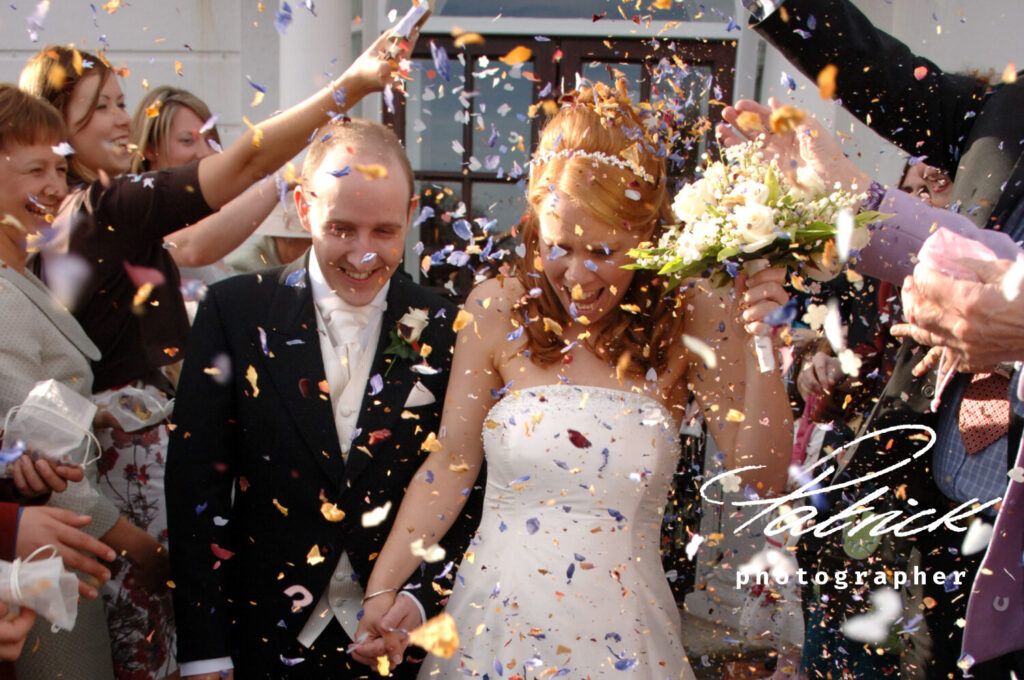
[{"x": 389, "y": 635}]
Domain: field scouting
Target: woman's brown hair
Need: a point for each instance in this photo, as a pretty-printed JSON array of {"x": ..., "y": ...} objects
[
  {"x": 28, "y": 120},
  {"x": 593, "y": 150},
  {"x": 53, "y": 74}
]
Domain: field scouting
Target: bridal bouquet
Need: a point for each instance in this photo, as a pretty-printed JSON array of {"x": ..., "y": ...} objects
[{"x": 745, "y": 208}]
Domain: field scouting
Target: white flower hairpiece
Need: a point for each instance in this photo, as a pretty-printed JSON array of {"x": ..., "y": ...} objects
[{"x": 597, "y": 157}]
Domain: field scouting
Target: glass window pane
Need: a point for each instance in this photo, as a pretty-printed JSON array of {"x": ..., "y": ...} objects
[
  {"x": 434, "y": 118},
  {"x": 501, "y": 201},
  {"x": 501, "y": 131},
  {"x": 681, "y": 10},
  {"x": 597, "y": 72}
]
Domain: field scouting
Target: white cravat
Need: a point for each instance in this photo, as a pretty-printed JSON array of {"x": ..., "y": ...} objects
[{"x": 348, "y": 343}]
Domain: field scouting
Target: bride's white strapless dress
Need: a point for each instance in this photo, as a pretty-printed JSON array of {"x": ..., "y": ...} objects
[{"x": 564, "y": 578}]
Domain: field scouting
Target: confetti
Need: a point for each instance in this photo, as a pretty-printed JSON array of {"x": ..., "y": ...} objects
[
  {"x": 429, "y": 554},
  {"x": 462, "y": 319},
  {"x": 372, "y": 171},
  {"x": 578, "y": 440},
  {"x": 921, "y": 72},
  {"x": 977, "y": 538},
  {"x": 827, "y": 81},
  {"x": 786, "y": 119},
  {"x": 331, "y": 512},
  {"x": 376, "y": 516},
  {"x": 178, "y": 68},
  {"x": 250, "y": 375},
  {"x": 313, "y": 557},
  {"x": 517, "y": 55},
  {"x": 220, "y": 552},
  {"x": 438, "y": 636}
]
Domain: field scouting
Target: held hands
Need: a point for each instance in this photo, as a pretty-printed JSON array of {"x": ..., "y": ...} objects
[
  {"x": 806, "y": 144},
  {"x": 383, "y": 629},
  {"x": 40, "y": 525}
]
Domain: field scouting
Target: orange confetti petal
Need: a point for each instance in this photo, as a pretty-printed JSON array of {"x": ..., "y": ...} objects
[
  {"x": 517, "y": 55},
  {"x": 827, "y": 81},
  {"x": 177, "y": 67},
  {"x": 331, "y": 512},
  {"x": 314, "y": 557},
  {"x": 153, "y": 110},
  {"x": 462, "y": 319},
  {"x": 1010, "y": 73},
  {"x": 920, "y": 72},
  {"x": 437, "y": 636},
  {"x": 372, "y": 171},
  {"x": 468, "y": 39},
  {"x": 786, "y": 119}
]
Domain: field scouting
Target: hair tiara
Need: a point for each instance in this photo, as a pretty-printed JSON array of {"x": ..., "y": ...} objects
[{"x": 597, "y": 157}]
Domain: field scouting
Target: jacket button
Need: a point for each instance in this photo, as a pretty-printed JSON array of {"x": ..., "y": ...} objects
[{"x": 928, "y": 391}]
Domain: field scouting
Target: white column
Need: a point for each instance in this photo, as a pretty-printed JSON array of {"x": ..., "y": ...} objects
[{"x": 314, "y": 49}]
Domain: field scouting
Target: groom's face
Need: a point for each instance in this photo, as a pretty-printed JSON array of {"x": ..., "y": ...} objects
[{"x": 358, "y": 220}]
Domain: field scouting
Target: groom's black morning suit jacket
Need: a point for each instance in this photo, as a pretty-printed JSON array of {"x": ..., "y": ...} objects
[
  {"x": 973, "y": 132},
  {"x": 254, "y": 458}
]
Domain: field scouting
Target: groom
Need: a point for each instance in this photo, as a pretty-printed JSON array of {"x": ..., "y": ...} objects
[{"x": 298, "y": 427}]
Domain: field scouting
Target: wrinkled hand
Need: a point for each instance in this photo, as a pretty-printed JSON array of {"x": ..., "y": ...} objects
[
  {"x": 34, "y": 478},
  {"x": 40, "y": 525},
  {"x": 387, "y": 635},
  {"x": 376, "y": 67},
  {"x": 758, "y": 295},
  {"x": 13, "y": 631},
  {"x": 976, "y": 320},
  {"x": 809, "y": 144}
]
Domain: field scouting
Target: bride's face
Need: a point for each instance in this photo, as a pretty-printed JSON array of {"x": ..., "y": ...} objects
[{"x": 582, "y": 258}]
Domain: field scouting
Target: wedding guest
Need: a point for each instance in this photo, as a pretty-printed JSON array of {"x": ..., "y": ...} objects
[
  {"x": 280, "y": 240},
  {"x": 41, "y": 341}
]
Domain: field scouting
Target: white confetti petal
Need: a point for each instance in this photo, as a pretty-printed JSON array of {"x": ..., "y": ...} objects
[{"x": 377, "y": 515}]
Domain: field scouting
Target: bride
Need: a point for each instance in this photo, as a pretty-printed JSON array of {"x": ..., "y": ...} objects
[{"x": 572, "y": 378}]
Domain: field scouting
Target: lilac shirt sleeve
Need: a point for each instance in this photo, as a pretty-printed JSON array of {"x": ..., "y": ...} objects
[{"x": 895, "y": 242}]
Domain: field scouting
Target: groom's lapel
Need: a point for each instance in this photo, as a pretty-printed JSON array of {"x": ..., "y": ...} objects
[
  {"x": 295, "y": 364},
  {"x": 380, "y": 413}
]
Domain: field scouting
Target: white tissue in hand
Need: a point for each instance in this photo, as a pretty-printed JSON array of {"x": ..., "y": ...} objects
[
  {"x": 42, "y": 585},
  {"x": 54, "y": 422}
]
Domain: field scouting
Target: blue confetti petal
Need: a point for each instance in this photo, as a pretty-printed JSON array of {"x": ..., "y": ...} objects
[
  {"x": 426, "y": 212},
  {"x": 812, "y": 22},
  {"x": 201, "y": 508},
  {"x": 440, "y": 60},
  {"x": 339, "y": 173},
  {"x": 428, "y": 476},
  {"x": 515, "y": 335},
  {"x": 458, "y": 259},
  {"x": 618, "y": 516},
  {"x": 625, "y": 664},
  {"x": 570, "y": 571},
  {"x": 784, "y": 315},
  {"x": 376, "y": 384},
  {"x": 613, "y": 636},
  {"x": 532, "y": 525},
  {"x": 787, "y": 81},
  {"x": 556, "y": 253},
  {"x": 463, "y": 229},
  {"x": 282, "y": 20},
  {"x": 297, "y": 279},
  {"x": 502, "y": 527},
  {"x": 256, "y": 86},
  {"x": 368, "y": 257},
  {"x": 733, "y": 26},
  {"x": 589, "y": 264}
]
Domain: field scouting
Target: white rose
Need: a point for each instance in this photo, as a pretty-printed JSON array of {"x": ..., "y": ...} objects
[
  {"x": 860, "y": 239},
  {"x": 412, "y": 323},
  {"x": 755, "y": 226},
  {"x": 692, "y": 201},
  {"x": 754, "y": 192}
]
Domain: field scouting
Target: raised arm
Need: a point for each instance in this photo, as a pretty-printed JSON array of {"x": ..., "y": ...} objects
[
  {"x": 430, "y": 507},
  {"x": 747, "y": 412},
  {"x": 210, "y": 239},
  {"x": 878, "y": 77},
  {"x": 269, "y": 144}
]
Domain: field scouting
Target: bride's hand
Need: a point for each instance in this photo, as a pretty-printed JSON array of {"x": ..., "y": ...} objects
[
  {"x": 373, "y": 636},
  {"x": 758, "y": 295}
]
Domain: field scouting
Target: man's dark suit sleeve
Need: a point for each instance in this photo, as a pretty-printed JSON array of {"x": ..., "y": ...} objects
[
  {"x": 877, "y": 78},
  {"x": 199, "y": 480}
]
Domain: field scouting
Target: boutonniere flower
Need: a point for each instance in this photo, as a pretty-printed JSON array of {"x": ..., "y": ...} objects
[{"x": 405, "y": 336}]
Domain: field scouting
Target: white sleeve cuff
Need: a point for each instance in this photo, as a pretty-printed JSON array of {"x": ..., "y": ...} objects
[
  {"x": 423, "y": 612},
  {"x": 204, "y": 666}
]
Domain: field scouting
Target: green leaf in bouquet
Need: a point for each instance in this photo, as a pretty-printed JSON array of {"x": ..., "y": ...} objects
[
  {"x": 720, "y": 279},
  {"x": 726, "y": 253},
  {"x": 771, "y": 180},
  {"x": 870, "y": 217}
]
